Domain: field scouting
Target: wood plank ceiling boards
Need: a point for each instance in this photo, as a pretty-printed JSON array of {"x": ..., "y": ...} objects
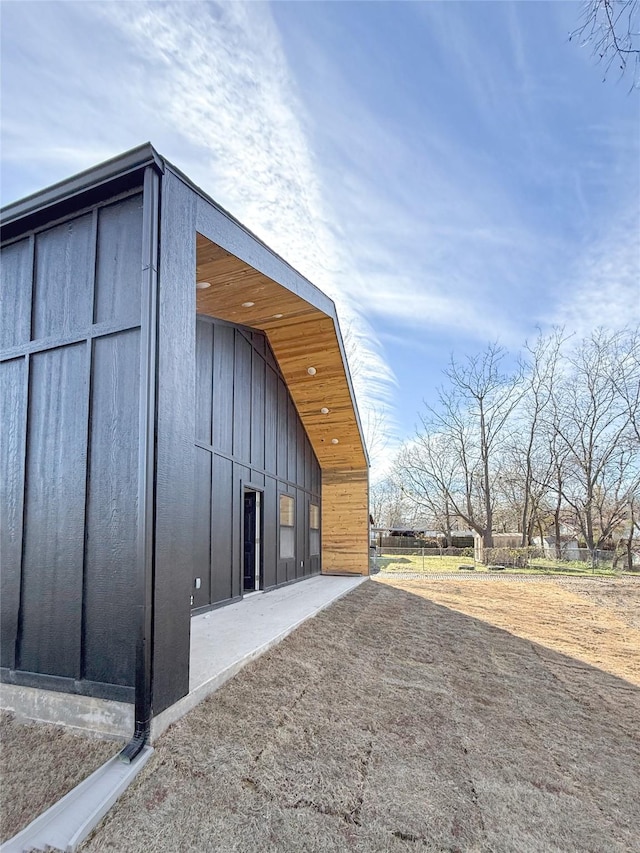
[{"x": 301, "y": 336}]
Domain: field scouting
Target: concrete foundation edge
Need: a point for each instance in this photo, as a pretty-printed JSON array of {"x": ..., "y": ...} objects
[{"x": 84, "y": 714}]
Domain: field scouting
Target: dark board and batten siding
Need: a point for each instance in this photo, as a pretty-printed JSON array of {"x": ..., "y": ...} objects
[
  {"x": 248, "y": 435},
  {"x": 69, "y": 391}
]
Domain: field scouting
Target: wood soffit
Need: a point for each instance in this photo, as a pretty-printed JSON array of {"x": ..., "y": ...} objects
[{"x": 302, "y": 337}]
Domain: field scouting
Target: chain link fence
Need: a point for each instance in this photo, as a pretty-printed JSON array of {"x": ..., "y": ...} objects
[{"x": 575, "y": 560}]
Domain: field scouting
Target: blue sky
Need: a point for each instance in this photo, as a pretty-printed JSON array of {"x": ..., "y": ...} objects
[{"x": 450, "y": 173}]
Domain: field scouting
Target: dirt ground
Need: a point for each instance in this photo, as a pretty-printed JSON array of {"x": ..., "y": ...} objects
[{"x": 412, "y": 715}]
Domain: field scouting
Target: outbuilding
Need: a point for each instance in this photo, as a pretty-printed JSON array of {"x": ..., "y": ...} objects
[{"x": 179, "y": 429}]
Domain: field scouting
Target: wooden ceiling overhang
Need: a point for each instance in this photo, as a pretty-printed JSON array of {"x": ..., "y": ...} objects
[{"x": 302, "y": 335}]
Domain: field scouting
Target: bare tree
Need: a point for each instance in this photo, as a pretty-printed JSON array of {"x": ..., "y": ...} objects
[
  {"x": 453, "y": 463},
  {"x": 376, "y": 431},
  {"x": 632, "y": 533},
  {"x": 426, "y": 472},
  {"x": 555, "y": 445},
  {"x": 592, "y": 427},
  {"x": 624, "y": 374},
  {"x": 540, "y": 368},
  {"x": 612, "y": 29},
  {"x": 388, "y": 504}
]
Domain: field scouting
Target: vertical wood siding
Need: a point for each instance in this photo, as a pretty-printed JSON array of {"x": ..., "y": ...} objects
[
  {"x": 69, "y": 376},
  {"x": 258, "y": 441},
  {"x": 109, "y": 607},
  {"x": 345, "y": 522},
  {"x": 13, "y": 417},
  {"x": 17, "y": 272}
]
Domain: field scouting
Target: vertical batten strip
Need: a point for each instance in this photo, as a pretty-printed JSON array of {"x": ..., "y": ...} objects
[
  {"x": 89, "y": 384},
  {"x": 23, "y": 455},
  {"x": 146, "y": 458}
]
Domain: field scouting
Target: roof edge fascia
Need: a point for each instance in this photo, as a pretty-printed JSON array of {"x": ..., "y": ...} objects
[{"x": 131, "y": 161}]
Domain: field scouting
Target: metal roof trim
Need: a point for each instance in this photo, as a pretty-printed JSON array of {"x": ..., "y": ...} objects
[{"x": 130, "y": 161}]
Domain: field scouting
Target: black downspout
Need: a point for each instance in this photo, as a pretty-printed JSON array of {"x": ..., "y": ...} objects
[{"x": 146, "y": 466}]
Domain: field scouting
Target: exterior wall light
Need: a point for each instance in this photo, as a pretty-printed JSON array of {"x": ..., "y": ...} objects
[
  {"x": 248, "y": 304},
  {"x": 277, "y": 316},
  {"x": 202, "y": 285},
  {"x": 334, "y": 441},
  {"x": 324, "y": 411},
  {"x": 311, "y": 371}
]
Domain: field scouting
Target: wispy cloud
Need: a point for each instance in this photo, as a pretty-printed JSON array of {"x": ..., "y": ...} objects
[
  {"x": 604, "y": 286},
  {"x": 217, "y": 98}
]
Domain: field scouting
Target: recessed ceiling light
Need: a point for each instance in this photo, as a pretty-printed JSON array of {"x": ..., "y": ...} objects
[
  {"x": 311, "y": 371},
  {"x": 324, "y": 411},
  {"x": 248, "y": 304},
  {"x": 334, "y": 441},
  {"x": 277, "y": 316},
  {"x": 202, "y": 285}
]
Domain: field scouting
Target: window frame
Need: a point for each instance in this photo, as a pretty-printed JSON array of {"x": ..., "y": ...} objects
[{"x": 287, "y": 526}]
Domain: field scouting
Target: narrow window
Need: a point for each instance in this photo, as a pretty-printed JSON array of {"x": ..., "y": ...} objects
[
  {"x": 287, "y": 527},
  {"x": 314, "y": 530}
]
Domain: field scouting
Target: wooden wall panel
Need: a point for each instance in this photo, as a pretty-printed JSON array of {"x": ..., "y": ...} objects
[
  {"x": 15, "y": 317},
  {"x": 301, "y": 441},
  {"x": 112, "y": 511},
  {"x": 292, "y": 443},
  {"x": 302, "y": 335},
  {"x": 118, "y": 279},
  {"x": 50, "y": 638},
  {"x": 259, "y": 343},
  {"x": 282, "y": 434},
  {"x": 202, "y": 528},
  {"x": 222, "y": 544},
  {"x": 345, "y": 522},
  {"x": 204, "y": 373},
  {"x": 270, "y": 532},
  {"x": 302, "y": 556},
  {"x": 63, "y": 290},
  {"x": 237, "y": 509},
  {"x": 242, "y": 398},
  {"x": 257, "y": 478},
  {"x": 258, "y": 426},
  {"x": 223, "y": 359},
  {"x": 13, "y": 417},
  {"x": 271, "y": 419}
]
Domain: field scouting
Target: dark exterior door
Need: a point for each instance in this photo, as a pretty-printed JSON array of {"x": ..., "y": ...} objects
[{"x": 250, "y": 545}]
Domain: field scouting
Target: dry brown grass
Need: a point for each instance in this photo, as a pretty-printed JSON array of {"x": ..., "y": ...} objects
[
  {"x": 38, "y": 765},
  {"x": 413, "y": 715},
  {"x": 393, "y": 722},
  {"x": 594, "y": 621}
]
